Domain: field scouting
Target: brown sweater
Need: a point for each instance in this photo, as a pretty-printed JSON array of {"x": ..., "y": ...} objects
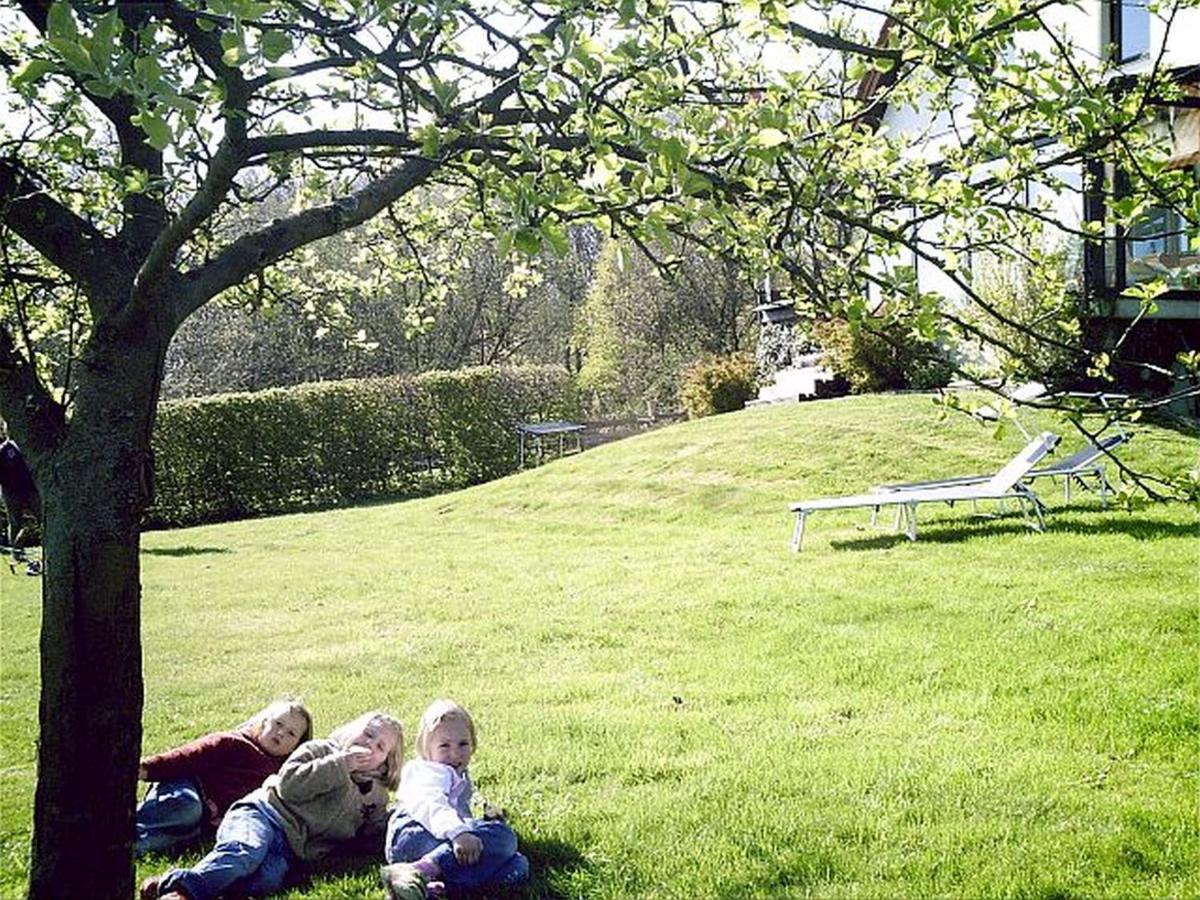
[
  {"x": 227, "y": 765},
  {"x": 320, "y": 804}
]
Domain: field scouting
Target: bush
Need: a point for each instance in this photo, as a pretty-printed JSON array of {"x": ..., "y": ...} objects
[
  {"x": 882, "y": 357},
  {"x": 319, "y": 445},
  {"x": 717, "y": 384}
]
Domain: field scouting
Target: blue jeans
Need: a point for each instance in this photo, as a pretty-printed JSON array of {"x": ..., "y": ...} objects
[
  {"x": 251, "y": 855},
  {"x": 171, "y": 815},
  {"x": 498, "y": 864}
]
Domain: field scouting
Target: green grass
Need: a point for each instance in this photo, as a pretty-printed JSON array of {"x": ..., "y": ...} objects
[{"x": 672, "y": 705}]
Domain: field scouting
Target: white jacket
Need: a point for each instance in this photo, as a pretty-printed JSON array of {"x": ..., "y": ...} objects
[{"x": 436, "y": 796}]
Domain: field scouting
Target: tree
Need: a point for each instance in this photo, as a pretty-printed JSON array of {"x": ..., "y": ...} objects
[
  {"x": 135, "y": 133},
  {"x": 639, "y": 326},
  {"x": 139, "y": 134},
  {"x": 1011, "y": 132},
  {"x": 341, "y": 321}
]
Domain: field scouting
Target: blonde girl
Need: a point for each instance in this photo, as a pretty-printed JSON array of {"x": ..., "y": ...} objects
[
  {"x": 195, "y": 784},
  {"x": 433, "y": 843},
  {"x": 328, "y": 793}
]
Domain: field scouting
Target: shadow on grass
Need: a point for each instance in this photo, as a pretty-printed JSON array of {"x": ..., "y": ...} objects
[
  {"x": 186, "y": 550},
  {"x": 947, "y": 532},
  {"x": 551, "y": 861}
]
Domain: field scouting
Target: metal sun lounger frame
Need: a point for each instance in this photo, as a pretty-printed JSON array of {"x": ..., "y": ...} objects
[
  {"x": 1005, "y": 484},
  {"x": 1085, "y": 462}
]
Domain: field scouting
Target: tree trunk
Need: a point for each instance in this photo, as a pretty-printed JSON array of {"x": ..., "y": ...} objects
[{"x": 95, "y": 486}]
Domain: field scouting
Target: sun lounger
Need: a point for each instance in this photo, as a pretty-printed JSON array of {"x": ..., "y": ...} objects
[
  {"x": 1005, "y": 484},
  {"x": 1086, "y": 462}
]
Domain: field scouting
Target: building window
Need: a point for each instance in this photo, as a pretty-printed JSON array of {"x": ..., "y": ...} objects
[
  {"x": 1129, "y": 29},
  {"x": 1159, "y": 245}
]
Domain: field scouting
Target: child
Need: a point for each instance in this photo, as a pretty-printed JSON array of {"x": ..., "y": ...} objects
[
  {"x": 432, "y": 842},
  {"x": 328, "y": 792},
  {"x": 195, "y": 784}
]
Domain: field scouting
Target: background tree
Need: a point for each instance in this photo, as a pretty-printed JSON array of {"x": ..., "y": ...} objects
[
  {"x": 640, "y": 326},
  {"x": 339, "y": 320},
  {"x": 1008, "y": 119}
]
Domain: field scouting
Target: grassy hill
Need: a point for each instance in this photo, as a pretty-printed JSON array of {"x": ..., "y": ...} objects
[{"x": 673, "y": 705}]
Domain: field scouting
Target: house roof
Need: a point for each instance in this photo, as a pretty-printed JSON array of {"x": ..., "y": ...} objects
[{"x": 872, "y": 89}]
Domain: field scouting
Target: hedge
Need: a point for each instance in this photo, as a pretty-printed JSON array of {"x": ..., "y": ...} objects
[{"x": 314, "y": 446}]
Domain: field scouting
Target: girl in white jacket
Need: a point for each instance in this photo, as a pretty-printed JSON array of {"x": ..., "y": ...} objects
[{"x": 432, "y": 840}]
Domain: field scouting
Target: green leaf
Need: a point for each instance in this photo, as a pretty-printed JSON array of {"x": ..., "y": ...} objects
[
  {"x": 136, "y": 181},
  {"x": 107, "y": 32},
  {"x": 158, "y": 132},
  {"x": 431, "y": 140},
  {"x": 623, "y": 259},
  {"x": 275, "y": 44},
  {"x": 769, "y": 137},
  {"x": 101, "y": 87},
  {"x": 556, "y": 236},
  {"x": 673, "y": 149},
  {"x": 60, "y": 23},
  {"x": 231, "y": 43},
  {"x": 74, "y": 55},
  {"x": 148, "y": 69},
  {"x": 528, "y": 241},
  {"x": 32, "y": 72}
]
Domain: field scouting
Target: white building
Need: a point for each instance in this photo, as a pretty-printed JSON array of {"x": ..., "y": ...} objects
[{"x": 1139, "y": 40}]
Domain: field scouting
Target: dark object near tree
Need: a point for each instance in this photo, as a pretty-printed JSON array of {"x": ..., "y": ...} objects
[{"x": 21, "y": 500}]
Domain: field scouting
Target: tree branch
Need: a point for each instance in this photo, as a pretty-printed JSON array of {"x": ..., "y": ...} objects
[
  {"x": 222, "y": 169},
  {"x": 144, "y": 214},
  {"x": 256, "y": 148},
  {"x": 254, "y": 252},
  {"x": 74, "y": 245}
]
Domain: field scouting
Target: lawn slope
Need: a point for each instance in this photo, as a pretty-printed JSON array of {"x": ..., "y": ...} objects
[{"x": 673, "y": 705}]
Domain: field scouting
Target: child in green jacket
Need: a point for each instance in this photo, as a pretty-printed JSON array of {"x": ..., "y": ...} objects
[{"x": 328, "y": 792}]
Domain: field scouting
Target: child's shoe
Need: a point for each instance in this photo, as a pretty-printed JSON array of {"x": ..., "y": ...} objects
[{"x": 403, "y": 881}]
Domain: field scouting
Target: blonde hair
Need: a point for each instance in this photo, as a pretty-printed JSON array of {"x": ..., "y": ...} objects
[
  {"x": 343, "y": 734},
  {"x": 435, "y": 714},
  {"x": 285, "y": 705}
]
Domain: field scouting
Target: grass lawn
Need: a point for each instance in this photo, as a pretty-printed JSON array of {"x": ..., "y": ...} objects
[{"x": 673, "y": 705}]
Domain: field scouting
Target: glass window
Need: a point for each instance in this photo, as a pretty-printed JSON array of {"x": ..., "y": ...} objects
[
  {"x": 1159, "y": 245},
  {"x": 1131, "y": 28}
]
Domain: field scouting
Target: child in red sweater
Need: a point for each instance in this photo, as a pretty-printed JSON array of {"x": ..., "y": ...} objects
[{"x": 196, "y": 783}]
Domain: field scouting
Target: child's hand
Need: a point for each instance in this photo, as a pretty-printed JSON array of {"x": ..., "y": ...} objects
[
  {"x": 142, "y": 774},
  {"x": 357, "y": 758},
  {"x": 467, "y": 848}
]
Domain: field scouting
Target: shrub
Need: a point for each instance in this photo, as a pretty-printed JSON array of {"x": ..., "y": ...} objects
[
  {"x": 717, "y": 384},
  {"x": 320, "y": 445},
  {"x": 881, "y": 356}
]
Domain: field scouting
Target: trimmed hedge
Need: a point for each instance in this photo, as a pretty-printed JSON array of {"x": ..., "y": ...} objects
[{"x": 315, "y": 446}]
